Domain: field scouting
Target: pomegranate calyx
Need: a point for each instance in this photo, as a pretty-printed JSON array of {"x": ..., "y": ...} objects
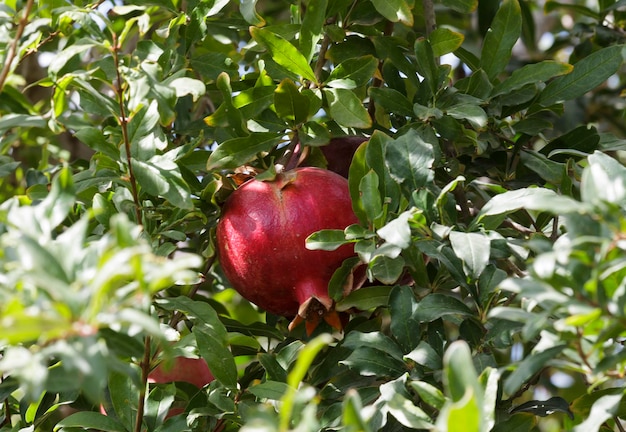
[{"x": 313, "y": 310}]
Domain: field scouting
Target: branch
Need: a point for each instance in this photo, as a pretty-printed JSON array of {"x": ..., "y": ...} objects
[
  {"x": 145, "y": 370},
  {"x": 12, "y": 52},
  {"x": 429, "y": 16},
  {"x": 124, "y": 125}
]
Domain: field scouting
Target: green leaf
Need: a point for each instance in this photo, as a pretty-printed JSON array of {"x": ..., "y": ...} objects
[
  {"x": 444, "y": 41},
  {"x": 90, "y": 420},
  {"x": 473, "y": 249},
  {"x": 11, "y": 120},
  {"x": 435, "y": 306},
  {"x": 353, "y": 72},
  {"x": 530, "y": 74},
  {"x": 283, "y": 53},
  {"x": 394, "y": 10},
  {"x": 352, "y": 418},
  {"x": 249, "y": 13},
  {"x": 539, "y": 199},
  {"x": 60, "y": 201},
  {"x": 346, "y": 108},
  {"x": 271, "y": 390},
  {"x": 409, "y": 159},
  {"x": 402, "y": 307},
  {"x": 425, "y": 355},
  {"x": 312, "y": 27},
  {"x": 375, "y": 340},
  {"x": 392, "y": 101},
  {"x": 365, "y": 298},
  {"x": 387, "y": 269},
  {"x": 239, "y": 151},
  {"x": 603, "y": 180},
  {"x": 372, "y": 204},
  {"x": 290, "y": 104},
  {"x": 549, "y": 170},
  {"x": 463, "y": 6},
  {"x": 588, "y": 74},
  {"x": 328, "y": 240},
  {"x": 426, "y": 64},
  {"x": 7, "y": 165},
  {"x": 373, "y": 362},
  {"x": 160, "y": 176},
  {"x": 528, "y": 367},
  {"x": 429, "y": 393},
  {"x": 188, "y": 86},
  {"x": 551, "y": 6},
  {"x": 474, "y": 114},
  {"x": 505, "y": 30}
]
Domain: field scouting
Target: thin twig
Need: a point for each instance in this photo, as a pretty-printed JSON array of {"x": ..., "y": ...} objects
[
  {"x": 618, "y": 423},
  {"x": 321, "y": 58},
  {"x": 124, "y": 125},
  {"x": 145, "y": 370},
  {"x": 12, "y": 52}
]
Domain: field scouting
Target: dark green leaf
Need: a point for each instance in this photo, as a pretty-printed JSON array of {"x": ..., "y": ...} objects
[
  {"x": 290, "y": 104},
  {"x": 271, "y": 390},
  {"x": 90, "y": 420},
  {"x": 504, "y": 32},
  {"x": 530, "y": 74},
  {"x": 373, "y": 362},
  {"x": 370, "y": 197},
  {"x": 402, "y": 307},
  {"x": 347, "y": 109},
  {"x": 387, "y": 269},
  {"x": 435, "y": 306},
  {"x": 528, "y": 367},
  {"x": 392, "y": 101},
  {"x": 365, "y": 298},
  {"x": 239, "y": 151},
  {"x": 588, "y": 73},
  {"x": 463, "y": 6},
  {"x": 409, "y": 159},
  {"x": 352, "y": 73}
]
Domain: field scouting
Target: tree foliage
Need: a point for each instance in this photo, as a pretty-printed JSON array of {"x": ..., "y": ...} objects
[{"x": 490, "y": 189}]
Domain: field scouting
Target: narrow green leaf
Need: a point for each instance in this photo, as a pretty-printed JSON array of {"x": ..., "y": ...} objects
[
  {"x": 551, "y": 6},
  {"x": 373, "y": 362},
  {"x": 11, "y": 120},
  {"x": 312, "y": 27},
  {"x": 283, "y": 53},
  {"x": 346, "y": 108},
  {"x": 444, "y": 41},
  {"x": 60, "y": 201},
  {"x": 528, "y": 367},
  {"x": 532, "y": 73},
  {"x": 429, "y": 393},
  {"x": 549, "y": 170},
  {"x": 474, "y": 114},
  {"x": 249, "y": 13},
  {"x": 588, "y": 73},
  {"x": 374, "y": 340},
  {"x": 239, "y": 151},
  {"x": 505, "y": 30},
  {"x": 352, "y": 418}
]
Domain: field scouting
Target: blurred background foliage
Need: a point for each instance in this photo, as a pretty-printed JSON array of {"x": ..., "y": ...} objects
[{"x": 487, "y": 175}]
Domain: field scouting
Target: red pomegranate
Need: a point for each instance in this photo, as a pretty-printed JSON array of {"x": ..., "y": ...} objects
[
  {"x": 261, "y": 242},
  {"x": 191, "y": 370}
]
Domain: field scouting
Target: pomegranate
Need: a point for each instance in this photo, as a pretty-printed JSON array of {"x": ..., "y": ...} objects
[
  {"x": 261, "y": 242},
  {"x": 339, "y": 152},
  {"x": 191, "y": 370}
]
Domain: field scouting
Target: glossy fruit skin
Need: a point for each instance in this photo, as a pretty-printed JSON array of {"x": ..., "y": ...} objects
[
  {"x": 191, "y": 370},
  {"x": 261, "y": 238}
]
